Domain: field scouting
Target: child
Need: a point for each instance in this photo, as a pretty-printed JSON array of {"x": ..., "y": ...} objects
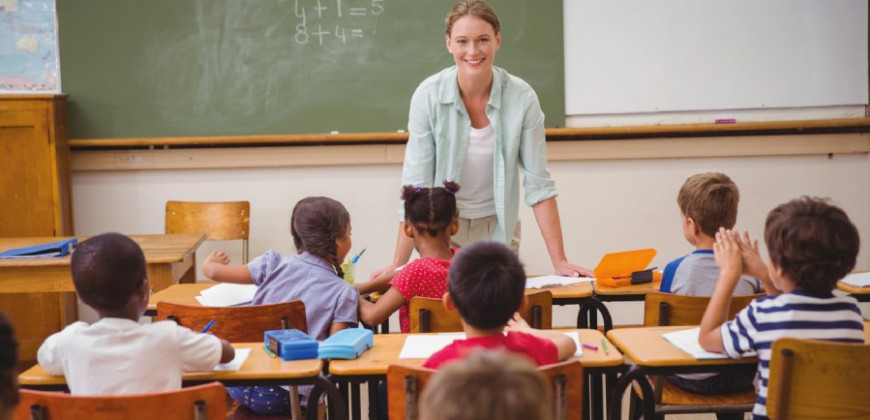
[
  {"x": 431, "y": 219},
  {"x": 320, "y": 227},
  {"x": 812, "y": 245},
  {"x": 487, "y": 286},
  {"x": 118, "y": 355},
  {"x": 8, "y": 368},
  {"x": 487, "y": 384},
  {"x": 707, "y": 202}
]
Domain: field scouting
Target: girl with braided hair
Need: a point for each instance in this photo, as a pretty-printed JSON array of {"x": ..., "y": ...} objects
[
  {"x": 431, "y": 218},
  {"x": 320, "y": 227}
]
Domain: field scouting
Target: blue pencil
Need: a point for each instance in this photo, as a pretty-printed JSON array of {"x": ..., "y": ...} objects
[{"x": 208, "y": 326}]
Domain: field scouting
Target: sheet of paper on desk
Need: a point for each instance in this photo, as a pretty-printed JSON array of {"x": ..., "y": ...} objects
[
  {"x": 858, "y": 279},
  {"x": 687, "y": 341},
  {"x": 554, "y": 281},
  {"x": 226, "y": 294},
  {"x": 236, "y": 363},
  {"x": 424, "y": 346}
]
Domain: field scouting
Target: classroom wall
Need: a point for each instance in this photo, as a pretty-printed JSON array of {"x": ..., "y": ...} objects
[{"x": 606, "y": 205}]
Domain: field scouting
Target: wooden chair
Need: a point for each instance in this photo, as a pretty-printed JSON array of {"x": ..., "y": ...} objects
[
  {"x": 812, "y": 379},
  {"x": 219, "y": 221},
  {"x": 405, "y": 383},
  {"x": 667, "y": 309},
  {"x": 239, "y": 324},
  {"x": 200, "y": 402},
  {"x": 429, "y": 315}
]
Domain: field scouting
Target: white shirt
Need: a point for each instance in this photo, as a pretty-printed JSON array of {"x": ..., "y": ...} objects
[
  {"x": 117, "y": 356},
  {"x": 475, "y": 197}
]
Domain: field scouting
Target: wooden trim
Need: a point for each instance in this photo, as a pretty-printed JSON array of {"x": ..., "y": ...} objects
[
  {"x": 553, "y": 134},
  {"x": 23, "y": 97},
  {"x": 392, "y": 154}
]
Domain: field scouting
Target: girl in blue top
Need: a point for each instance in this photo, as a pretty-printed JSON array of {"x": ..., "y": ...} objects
[
  {"x": 320, "y": 227},
  {"x": 479, "y": 126}
]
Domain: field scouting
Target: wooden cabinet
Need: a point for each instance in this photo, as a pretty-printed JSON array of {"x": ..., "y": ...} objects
[
  {"x": 35, "y": 202},
  {"x": 34, "y": 166}
]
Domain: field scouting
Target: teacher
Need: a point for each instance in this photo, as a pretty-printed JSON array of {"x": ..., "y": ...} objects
[{"x": 480, "y": 126}]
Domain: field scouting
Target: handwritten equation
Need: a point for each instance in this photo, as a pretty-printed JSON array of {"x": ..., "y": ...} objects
[{"x": 325, "y": 21}]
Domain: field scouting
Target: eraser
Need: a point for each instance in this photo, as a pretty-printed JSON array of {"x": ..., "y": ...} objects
[{"x": 726, "y": 120}]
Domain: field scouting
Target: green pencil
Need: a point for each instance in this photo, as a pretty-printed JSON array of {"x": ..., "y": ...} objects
[{"x": 604, "y": 346}]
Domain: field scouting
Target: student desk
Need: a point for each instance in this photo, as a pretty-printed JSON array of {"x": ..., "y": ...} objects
[
  {"x": 862, "y": 294},
  {"x": 588, "y": 315},
  {"x": 26, "y": 284},
  {"x": 650, "y": 353},
  {"x": 372, "y": 366},
  {"x": 184, "y": 294},
  {"x": 258, "y": 369}
]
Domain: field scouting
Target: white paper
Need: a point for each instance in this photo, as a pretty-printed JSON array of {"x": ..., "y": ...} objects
[
  {"x": 858, "y": 279},
  {"x": 227, "y": 294},
  {"x": 554, "y": 281},
  {"x": 235, "y": 364},
  {"x": 687, "y": 341},
  {"x": 424, "y": 346}
]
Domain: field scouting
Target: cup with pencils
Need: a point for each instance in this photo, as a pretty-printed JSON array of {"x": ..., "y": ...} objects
[{"x": 349, "y": 267}]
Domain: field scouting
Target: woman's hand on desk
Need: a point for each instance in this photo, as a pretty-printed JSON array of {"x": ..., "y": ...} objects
[{"x": 564, "y": 268}]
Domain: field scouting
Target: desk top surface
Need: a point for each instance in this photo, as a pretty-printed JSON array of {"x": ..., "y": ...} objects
[
  {"x": 259, "y": 365},
  {"x": 571, "y": 291},
  {"x": 387, "y": 347},
  {"x": 166, "y": 248},
  {"x": 183, "y": 293},
  {"x": 855, "y": 290},
  {"x": 632, "y": 289}
]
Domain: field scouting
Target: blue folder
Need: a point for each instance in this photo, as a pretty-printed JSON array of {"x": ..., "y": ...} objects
[{"x": 49, "y": 250}]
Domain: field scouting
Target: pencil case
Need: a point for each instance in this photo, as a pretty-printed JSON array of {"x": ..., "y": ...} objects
[
  {"x": 291, "y": 344},
  {"x": 346, "y": 344}
]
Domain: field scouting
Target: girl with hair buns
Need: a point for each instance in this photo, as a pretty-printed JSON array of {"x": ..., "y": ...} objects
[
  {"x": 478, "y": 125},
  {"x": 431, "y": 219},
  {"x": 320, "y": 227}
]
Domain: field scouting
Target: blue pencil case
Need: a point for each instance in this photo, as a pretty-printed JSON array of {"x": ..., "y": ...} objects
[
  {"x": 290, "y": 344},
  {"x": 49, "y": 250},
  {"x": 346, "y": 344}
]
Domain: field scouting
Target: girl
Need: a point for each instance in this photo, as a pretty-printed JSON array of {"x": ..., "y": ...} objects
[
  {"x": 320, "y": 227},
  {"x": 431, "y": 219}
]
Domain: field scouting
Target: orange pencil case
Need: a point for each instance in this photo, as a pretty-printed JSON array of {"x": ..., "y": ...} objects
[{"x": 615, "y": 268}]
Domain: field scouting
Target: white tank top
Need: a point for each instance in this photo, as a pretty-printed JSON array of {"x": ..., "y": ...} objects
[{"x": 475, "y": 197}]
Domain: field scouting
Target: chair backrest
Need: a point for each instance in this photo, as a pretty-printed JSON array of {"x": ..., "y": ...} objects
[
  {"x": 812, "y": 379},
  {"x": 405, "y": 383},
  {"x": 429, "y": 315},
  {"x": 237, "y": 323},
  {"x": 662, "y": 309},
  {"x": 219, "y": 221},
  {"x": 201, "y": 402}
]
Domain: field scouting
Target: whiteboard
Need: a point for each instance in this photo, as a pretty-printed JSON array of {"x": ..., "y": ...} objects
[{"x": 642, "y": 56}]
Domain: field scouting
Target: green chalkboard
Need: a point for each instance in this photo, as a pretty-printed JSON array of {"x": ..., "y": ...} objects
[{"x": 226, "y": 67}]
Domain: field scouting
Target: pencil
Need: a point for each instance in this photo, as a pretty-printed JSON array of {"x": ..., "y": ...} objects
[
  {"x": 208, "y": 326},
  {"x": 604, "y": 346}
]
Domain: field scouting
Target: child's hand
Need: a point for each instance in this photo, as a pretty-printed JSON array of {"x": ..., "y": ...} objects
[
  {"x": 728, "y": 254},
  {"x": 753, "y": 265},
  {"x": 517, "y": 323},
  {"x": 217, "y": 257}
]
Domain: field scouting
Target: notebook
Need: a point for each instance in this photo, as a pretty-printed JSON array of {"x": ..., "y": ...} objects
[
  {"x": 227, "y": 294},
  {"x": 49, "y": 250},
  {"x": 687, "y": 341},
  {"x": 554, "y": 281},
  {"x": 858, "y": 279}
]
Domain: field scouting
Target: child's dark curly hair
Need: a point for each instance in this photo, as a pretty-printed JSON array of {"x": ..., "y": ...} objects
[
  {"x": 316, "y": 224},
  {"x": 431, "y": 210}
]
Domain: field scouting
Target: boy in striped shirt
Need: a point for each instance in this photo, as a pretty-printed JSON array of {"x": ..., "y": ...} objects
[{"x": 812, "y": 245}]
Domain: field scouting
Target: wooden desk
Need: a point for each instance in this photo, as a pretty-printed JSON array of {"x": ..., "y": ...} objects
[
  {"x": 258, "y": 369},
  {"x": 632, "y": 292},
  {"x": 862, "y": 294},
  {"x": 372, "y": 366},
  {"x": 185, "y": 294},
  {"x": 38, "y": 294}
]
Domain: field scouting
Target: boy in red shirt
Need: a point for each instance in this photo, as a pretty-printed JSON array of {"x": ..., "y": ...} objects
[{"x": 487, "y": 286}]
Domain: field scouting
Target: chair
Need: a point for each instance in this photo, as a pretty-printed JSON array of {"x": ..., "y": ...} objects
[
  {"x": 405, "y": 383},
  {"x": 197, "y": 402},
  {"x": 667, "y": 309},
  {"x": 219, "y": 221},
  {"x": 238, "y": 324},
  {"x": 429, "y": 315},
  {"x": 812, "y": 379}
]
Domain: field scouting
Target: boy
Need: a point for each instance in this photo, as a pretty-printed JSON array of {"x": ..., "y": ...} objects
[
  {"x": 487, "y": 286},
  {"x": 117, "y": 355},
  {"x": 8, "y": 369},
  {"x": 707, "y": 202},
  {"x": 812, "y": 245},
  {"x": 487, "y": 384}
]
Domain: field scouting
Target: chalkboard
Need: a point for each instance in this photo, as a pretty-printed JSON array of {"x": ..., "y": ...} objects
[{"x": 226, "y": 67}]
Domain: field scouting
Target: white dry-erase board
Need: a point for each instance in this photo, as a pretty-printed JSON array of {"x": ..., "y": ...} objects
[{"x": 658, "y": 61}]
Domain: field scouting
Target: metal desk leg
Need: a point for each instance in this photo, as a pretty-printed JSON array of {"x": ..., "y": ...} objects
[{"x": 614, "y": 409}]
